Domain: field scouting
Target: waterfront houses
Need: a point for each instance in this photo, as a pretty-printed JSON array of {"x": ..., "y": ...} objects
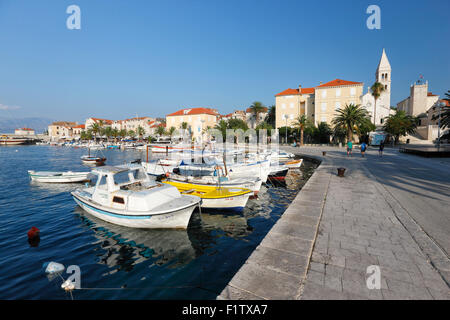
[
  {"x": 320, "y": 103},
  {"x": 61, "y": 130},
  {"x": 197, "y": 119},
  {"x": 24, "y": 132},
  {"x": 422, "y": 104}
]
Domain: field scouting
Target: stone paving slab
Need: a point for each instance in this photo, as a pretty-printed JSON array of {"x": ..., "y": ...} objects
[{"x": 334, "y": 229}]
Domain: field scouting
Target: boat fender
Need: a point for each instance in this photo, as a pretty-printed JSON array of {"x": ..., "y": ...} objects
[
  {"x": 53, "y": 267},
  {"x": 68, "y": 285},
  {"x": 33, "y": 233}
]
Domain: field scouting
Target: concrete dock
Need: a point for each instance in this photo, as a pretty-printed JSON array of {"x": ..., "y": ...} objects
[{"x": 390, "y": 212}]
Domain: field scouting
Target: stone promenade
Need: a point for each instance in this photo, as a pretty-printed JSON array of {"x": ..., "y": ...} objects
[{"x": 337, "y": 227}]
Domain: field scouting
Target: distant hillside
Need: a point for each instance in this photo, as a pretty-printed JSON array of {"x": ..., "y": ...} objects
[{"x": 8, "y": 125}]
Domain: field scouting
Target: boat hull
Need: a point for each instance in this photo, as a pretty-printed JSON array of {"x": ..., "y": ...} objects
[
  {"x": 236, "y": 203},
  {"x": 177, "y": 219},
  {"x": 66, "y": 178}
]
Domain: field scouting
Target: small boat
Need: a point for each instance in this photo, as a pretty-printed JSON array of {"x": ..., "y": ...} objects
[
  {"x": 58, "y": 177},
  {"x": 278, "y": 172},
  {"x": 125, "y": 195},
  {"x": 293, "y": 164},
  {"x": 252, "y": 183},
  {"x": 93, "y": 161},
  {"x": 215, "y": 197}
]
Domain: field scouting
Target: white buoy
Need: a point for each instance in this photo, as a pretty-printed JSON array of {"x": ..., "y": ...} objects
[{"x": 53, "y": 267}]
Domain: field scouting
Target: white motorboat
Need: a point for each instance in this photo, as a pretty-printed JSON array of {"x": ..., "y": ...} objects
[
  {"x": 58, "y": 177},
  {"x": 125, "y": 195},
  {"x": 293, "y": 164}
]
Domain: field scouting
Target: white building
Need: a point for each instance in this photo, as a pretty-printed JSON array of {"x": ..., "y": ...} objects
[
  {"x": 24, "y": 132},
  {"x": 383, "y": 104}
]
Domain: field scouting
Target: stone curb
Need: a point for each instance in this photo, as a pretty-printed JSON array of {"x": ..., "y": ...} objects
[{"x": 277, "y": 268}]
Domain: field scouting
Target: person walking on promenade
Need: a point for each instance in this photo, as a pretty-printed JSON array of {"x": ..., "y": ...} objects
[
  {"x": 363, "y": 149},
  {"x": 380, "y": 150},
  {"x": 349, "y": 148}
]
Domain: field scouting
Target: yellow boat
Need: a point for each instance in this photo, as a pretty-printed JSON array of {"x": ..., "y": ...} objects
[{"x": 215, "y": 197}]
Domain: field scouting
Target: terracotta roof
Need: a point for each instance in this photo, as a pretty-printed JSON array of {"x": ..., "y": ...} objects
[
  {"x": 192, "y": 111},
  {"x": 158, "y": 125},
  {"x": 248, "y": 110},
  {"x": 104, "y": 120},
  {"x": 429, "y": 94},
  {"x": 290, "y": 91},
  {"x": 287, "y": 92},
  {"x": 26, "y": 129},
  {"x": 81, "y": 126},
  {"x": 338, "y": 83},
  {"x": 64, "y": 123},
  {"x": 447, "y": 102}
]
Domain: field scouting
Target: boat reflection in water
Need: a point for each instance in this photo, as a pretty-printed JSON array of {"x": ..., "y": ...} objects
[
  {"x": 55, "y": 188},
  {"x": 171, "y": 248},
  {"x": 125, "y": 247}
]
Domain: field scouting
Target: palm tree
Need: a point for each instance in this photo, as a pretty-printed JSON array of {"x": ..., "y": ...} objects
[
  {"x": 222, "y": 127},
  {"x": 301, "y": 122},
  {"x": 95, "y": 128},
  {"x": 161, "y": 131},
  {"x": 377, "y": 89},
  {"x": 445, "y": 113},
  {"x": 400, "y": 124},
  {"x": 131, "y": 133},
  {"x": 115, "y": 133},
  {"x": 107, "y": 132},
  {"x": 140, "y": 131},
  {"x": 271, "y": 116},
  {"x": 349, "y": 118},
  {"x": 172, "y": 131},
  {"x": 184, "y": 125},
  {"x": 256, "y": 108},
  {"x": 123, "y": 133}
]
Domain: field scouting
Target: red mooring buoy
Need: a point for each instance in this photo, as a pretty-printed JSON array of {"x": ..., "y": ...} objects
[{"x": 33, "y": 233}]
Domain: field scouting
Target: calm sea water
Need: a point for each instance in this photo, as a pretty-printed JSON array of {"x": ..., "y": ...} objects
[{"x": 118, "y": 262}]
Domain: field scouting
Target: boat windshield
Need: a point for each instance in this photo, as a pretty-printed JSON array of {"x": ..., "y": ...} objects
[{"x": 127, "y": 177}]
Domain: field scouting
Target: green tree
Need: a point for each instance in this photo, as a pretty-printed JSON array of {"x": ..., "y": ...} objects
[
  {"x": 123, "y": 133},
  {"x": 222, "y": 127},
  {"x": 107, "y": 131},
  {"x": 363, "y": 129},
  {"x": 172, "y": 131},
  {"x": 140, "y": 131},
  {"x": 349, "y": 118},
  {"x": 115, "y": 134},
  {"x": 160, "y": 131},
  {"x": 445, "y": 112},
  {"x": 377, "y": 89},
  {"x": 339, "y": 134},
  {"x": 256, "y": 108},
  {"x": 271, "y": 116},
  {"x": 131, "y": 133},
  {"x": 323, "y": 132},
  {"x": 400, "y": 124},
  {"x": 237, "y": 124},
  {"x": 300, "y": 122},
  {"x": 184, "y": 125},
  {"x": 95, "y": 129}
]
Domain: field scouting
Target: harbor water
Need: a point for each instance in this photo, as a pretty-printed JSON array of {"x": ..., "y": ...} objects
[{"x": 118, "y": 262}]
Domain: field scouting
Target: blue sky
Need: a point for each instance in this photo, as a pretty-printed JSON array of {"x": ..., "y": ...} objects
[{"x": 151, "y": 58}]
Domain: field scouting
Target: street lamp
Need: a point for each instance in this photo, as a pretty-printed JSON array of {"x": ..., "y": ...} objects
[{"x": 286, "y": 118}]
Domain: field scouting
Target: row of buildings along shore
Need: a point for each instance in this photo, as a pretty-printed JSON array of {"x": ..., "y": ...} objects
[{"x": 318, "y": 103}]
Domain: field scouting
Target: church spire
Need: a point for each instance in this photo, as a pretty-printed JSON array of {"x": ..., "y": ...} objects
[{"x": 384, "y": 64}]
